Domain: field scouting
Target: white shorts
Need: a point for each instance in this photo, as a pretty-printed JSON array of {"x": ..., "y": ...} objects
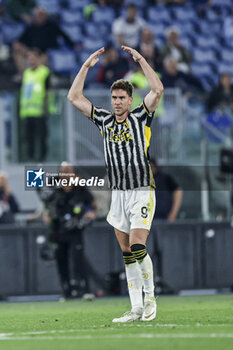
[{"x": 132, "y": 209}]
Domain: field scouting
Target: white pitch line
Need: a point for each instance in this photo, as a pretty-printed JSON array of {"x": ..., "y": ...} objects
[
  {"x": 174, "y": 325},
  {"x": 127, "y": 336},
  {"x": 106, "y": 328}
]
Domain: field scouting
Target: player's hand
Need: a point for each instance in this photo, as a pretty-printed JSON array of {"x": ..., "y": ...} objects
[
  {"x": 94, "y": 58},
  {"x": 136, "y": 55}
]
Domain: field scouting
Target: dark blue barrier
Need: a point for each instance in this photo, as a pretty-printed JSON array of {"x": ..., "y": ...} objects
[{"x": 186, "y": 255}]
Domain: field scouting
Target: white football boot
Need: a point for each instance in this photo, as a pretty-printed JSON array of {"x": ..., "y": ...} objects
[
  {"x": 130, "y": 316},
  {"x": 150, "y": 309}
]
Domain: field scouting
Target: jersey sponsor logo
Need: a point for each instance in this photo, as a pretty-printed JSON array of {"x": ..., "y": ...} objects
[{"x": 124, "y": 134}]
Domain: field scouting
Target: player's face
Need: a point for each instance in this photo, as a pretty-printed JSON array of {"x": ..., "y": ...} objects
[
  {"x": 121, "y": 102},
  {"x": 33, "y": 59}
]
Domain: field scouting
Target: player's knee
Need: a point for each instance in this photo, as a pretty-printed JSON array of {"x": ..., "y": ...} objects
[
  {"x": 138, "y": 251},
  {"x": 125, "y": 248}
]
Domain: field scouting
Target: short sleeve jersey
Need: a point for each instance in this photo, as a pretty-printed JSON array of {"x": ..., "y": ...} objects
[{"x": 126, "y": 146}]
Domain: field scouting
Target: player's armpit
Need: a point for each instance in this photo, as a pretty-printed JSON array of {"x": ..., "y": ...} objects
[{"x": 152, "y": 100}]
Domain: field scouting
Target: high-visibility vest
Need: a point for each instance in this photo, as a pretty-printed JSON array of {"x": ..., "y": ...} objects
[
  {"x": 33, "y": 92},
  {"x": 139, "y": 80}
]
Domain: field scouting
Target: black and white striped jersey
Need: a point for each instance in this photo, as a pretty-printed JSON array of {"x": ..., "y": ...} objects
[{"x": 126, "y": 146}]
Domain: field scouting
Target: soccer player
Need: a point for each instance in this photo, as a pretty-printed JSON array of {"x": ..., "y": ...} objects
[{"x": 126, "y": 136}]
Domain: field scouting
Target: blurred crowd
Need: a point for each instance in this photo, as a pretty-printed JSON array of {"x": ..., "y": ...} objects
[{"x": 66, "y": 35}]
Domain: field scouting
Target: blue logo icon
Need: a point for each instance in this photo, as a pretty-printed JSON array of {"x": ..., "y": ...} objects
[{"x": 35, "y": 178}]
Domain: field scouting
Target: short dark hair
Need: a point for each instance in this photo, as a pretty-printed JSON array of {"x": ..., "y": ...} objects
[
  {"x": 131, "y": 6},
  {"x": 36, "y": 51},
  {"x": 123, "y": 85}
]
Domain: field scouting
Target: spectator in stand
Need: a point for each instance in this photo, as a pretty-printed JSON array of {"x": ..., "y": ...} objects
[
  {"x": 8, "y": 203},
  {"x": 42, "y": 34},
  {"x": 173, "y": 77},
  {"x": 21, "y": 9},
  {"x": 221, "y": 97},
  {"x": 174, "y": 49},
  {"x": 34, "y": 107},
  {"x": 168, "y": 194},
  {"x": 147, "y": 47},
  {"x": 114, "y": 67},
  {"x": 126, "y": 30}
]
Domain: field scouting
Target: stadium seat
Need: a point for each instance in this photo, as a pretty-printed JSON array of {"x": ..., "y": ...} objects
[
  {"x": 103, "y": 30},
  {"x": 224, "y": 5},
  {"x": 204, "y": 56},
  {"x": 157, "y": 30},
  {"x": 74, "y": 32},
  {"x": 201, "y": 69},
  {"x": 206, "y": 73},
  {"x": 184, "y": 14},
  {"x": 212, "y": 15},
  {"x": 103, "y": 15},
  {"x": 11, "y": 32},
  {"x": 202, "y": 26},
  {"x": 154, "y": 15},
  {"x": 62, "y": 61},
  {"x": 226, "y": 56},
  {"x": 100, "y": 32},
  {"x": 206, "y": 42},
  {"x": 71, "y": 17},
  {"x": 185, "y": 28},
  {"x": 91, "y": 45},
  {"x": 51, "y": 6},
  {"x": 77, "y": 4},
  {"x": 225, "y": 68}
]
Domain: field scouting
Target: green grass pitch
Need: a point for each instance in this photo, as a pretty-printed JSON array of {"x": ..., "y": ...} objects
[{"x": 190, "y": 323}]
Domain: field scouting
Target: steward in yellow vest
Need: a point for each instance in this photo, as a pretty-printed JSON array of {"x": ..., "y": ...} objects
[
  {"x": 139, "y": 81},
  {"x": 33, "y": 106}
]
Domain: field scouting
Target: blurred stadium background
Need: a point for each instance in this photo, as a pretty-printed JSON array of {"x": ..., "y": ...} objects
[{"x": 195, "y": 252}]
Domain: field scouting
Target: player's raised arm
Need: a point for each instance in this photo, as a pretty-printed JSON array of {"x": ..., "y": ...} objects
[
  {"x": 153, "y": 97},
  {"x": 75, "y": 95}
]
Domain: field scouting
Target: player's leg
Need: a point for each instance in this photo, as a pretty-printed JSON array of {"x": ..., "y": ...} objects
[
  {"x": 142, "y": 212},
  {"x": 133, "y": 279},
  {"x": 138, "y": 239}
]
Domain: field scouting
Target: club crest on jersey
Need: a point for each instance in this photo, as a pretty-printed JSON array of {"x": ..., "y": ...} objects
[{"x": 123, "y": 135}]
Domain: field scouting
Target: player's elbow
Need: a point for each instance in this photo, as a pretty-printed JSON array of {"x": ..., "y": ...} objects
[
  {"x": 73, "y": 99},
  {"x": 160, "y": 90}
]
